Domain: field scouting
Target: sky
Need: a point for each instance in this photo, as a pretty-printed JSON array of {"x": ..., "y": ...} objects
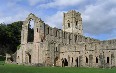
[{"x": 98, "y": 16}]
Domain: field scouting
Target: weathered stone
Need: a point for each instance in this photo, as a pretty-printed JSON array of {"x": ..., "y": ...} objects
[{"x": 67, "y": 47}]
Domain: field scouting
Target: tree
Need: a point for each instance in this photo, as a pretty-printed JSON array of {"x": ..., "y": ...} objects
[{"x": 10, "y": 37}]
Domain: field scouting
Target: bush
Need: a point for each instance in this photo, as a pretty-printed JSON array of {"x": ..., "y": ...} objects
[{"x": 2, "y": 58}]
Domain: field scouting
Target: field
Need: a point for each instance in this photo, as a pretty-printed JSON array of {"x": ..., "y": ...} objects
[{"x": 10, "y": 68}]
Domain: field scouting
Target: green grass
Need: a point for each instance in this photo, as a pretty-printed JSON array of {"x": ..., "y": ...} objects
[{"x": 10, "y": 68}]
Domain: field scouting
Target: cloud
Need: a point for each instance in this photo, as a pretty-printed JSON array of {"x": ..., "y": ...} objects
[
  {"x": 55, "y": 20},
  {"x": 20, "y": 16},
  {"x": 34, "y": 2},
  {"x": 61, "y": 3},
  {"x": 9, "y": 14},
  {"x": 112, "y": 35},
  {"x": 98, "y": 15},
  {"x": 99, "y": 18}
]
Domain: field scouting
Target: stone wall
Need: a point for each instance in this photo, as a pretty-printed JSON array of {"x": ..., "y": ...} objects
[{"x": 53, "y": 46}]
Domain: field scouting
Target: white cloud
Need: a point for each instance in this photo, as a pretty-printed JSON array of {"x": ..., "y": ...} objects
[
  {"x": 12, "y": 12},
  {"x": 61, "y": 3},
  {"x": 55, "y": 20},
  {"x": 20, "y": 16},
  {"x": 100, "y": 17},
  {"x": 34, "y": 2}
]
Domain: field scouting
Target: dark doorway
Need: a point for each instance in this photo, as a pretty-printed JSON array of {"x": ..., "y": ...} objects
[
  {"x": 107, "y": 59},
  {"x": 65, "y": 62},
  {"x": 86, "y": 60},
  {"x": 77, "y": 62},
  {"x": 29, "y": 58},
  {"x": 96, "y": 60}
]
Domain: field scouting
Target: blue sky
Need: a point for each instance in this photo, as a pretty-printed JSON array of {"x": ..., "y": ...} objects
[{"x": 99, "y": 16}]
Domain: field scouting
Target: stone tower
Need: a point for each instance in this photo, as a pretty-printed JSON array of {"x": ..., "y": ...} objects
[{"x": 72, "y": 22}]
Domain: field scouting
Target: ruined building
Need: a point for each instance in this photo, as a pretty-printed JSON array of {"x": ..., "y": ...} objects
[{"x": 47, "y": 46}]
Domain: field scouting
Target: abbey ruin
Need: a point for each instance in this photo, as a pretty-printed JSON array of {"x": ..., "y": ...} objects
[{"x": 49, "y": 46}]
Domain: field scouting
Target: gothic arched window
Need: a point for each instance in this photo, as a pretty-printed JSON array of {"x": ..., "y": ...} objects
[
  {"x": 31, "y": 30},
  {"x": 76, "y": 23},
  {"x": 48, "y": 30},
  {"x": 86, "y": 60},
  {"x": 68, "y": 24},
  {"x": 96, "y": 60}
]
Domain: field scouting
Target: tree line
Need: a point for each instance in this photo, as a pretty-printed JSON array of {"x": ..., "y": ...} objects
[{"x": 10, "y": 37}]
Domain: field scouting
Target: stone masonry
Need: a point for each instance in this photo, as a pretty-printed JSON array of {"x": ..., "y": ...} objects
[{"x": 64, "y": 47}]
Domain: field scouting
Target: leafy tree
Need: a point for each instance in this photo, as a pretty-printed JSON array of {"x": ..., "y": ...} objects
[{"x": 10, "y": 37}]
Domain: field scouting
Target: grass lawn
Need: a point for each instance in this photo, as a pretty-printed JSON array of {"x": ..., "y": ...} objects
[{"x": 10, "y": 68}]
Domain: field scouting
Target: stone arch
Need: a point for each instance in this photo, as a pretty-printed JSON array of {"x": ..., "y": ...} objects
[
  {"x": 31, "y": 23},
  {"x": 28, "y": 58},
  {"x": 25, "y": 27},
  {"x": 86, "y": 60},
  {"x": 64, "y": 62},
  {"x": 96, "y": 59},
  {"x": 29, "y": 18},
  {"x": 30, "y": 30},
  {"x": 108, "y": 60}
]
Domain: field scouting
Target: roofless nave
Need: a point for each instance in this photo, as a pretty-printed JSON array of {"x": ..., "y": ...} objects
[{"x": 63, "y": 47}]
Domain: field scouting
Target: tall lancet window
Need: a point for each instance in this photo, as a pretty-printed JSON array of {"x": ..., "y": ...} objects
[
  {"x": 31, "y": 30},
  {"x": 76, "y": 25},
  {"x": 68, "y": 24}
]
